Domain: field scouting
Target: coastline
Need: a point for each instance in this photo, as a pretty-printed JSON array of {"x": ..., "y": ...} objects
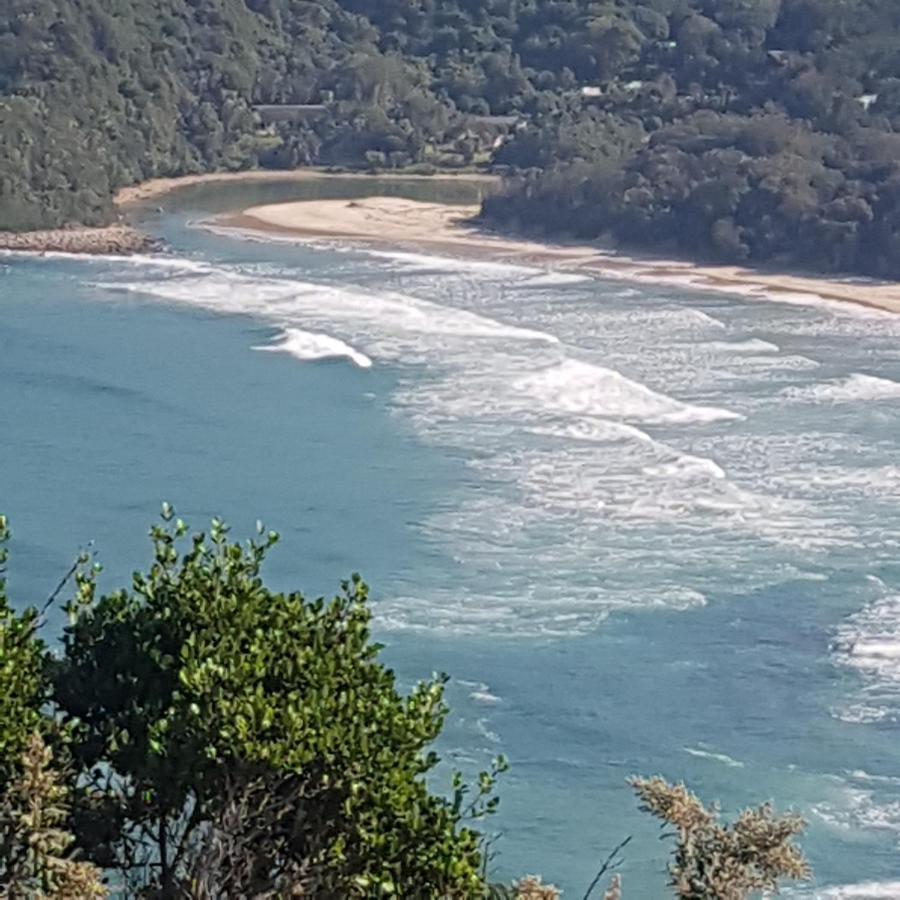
[
  {"x": 122, "y": 239},
  {"x": 446, "y": 230}
]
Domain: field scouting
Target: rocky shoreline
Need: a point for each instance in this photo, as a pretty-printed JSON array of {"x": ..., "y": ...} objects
[{"x": 119, "y": 240}]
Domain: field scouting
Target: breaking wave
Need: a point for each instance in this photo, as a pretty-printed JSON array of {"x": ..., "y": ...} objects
[
  {"x": 577, "y": 387},
  {"x": 868, "y": 642},
  {"x": 308, "y": 346},
  {"x": 854, "y": 389}
]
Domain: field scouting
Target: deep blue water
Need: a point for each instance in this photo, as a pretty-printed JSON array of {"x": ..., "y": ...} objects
[{"x": 645, "y": 529}]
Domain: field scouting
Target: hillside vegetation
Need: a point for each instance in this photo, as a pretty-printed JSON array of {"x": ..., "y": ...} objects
[{"x": 744, "y": 130}]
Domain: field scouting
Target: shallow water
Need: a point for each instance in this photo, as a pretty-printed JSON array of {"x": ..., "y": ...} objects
[{"x": 646, "y": 530}]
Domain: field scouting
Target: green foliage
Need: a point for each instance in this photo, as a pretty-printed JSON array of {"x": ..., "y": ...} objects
[
  {"x": 223, "y": 739},
  {"x": 22, "y": 676},
  {"x": 757, "y": 132},
  {"x": 199, "y": 684}
]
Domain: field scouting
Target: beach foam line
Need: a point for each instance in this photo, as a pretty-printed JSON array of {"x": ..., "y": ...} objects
[
  {"x": 227, "y": 291},
  {"x": 527, "y": 275},
  {"x": 309, "y": 346},
  {"x": 431, "y": 231},
  {"x": 425, "y": 262},
  {"x": 556, "y": 278}
]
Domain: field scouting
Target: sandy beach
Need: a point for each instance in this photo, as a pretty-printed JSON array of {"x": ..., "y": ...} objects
[
  {"x": 444, "y": 229},
  {"x": 120, "y": 238},
  {"x": 441, "y": 229}
]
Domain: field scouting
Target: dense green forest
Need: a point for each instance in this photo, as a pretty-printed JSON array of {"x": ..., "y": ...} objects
[
  {"x": 743, "y": 130},
  {"x": 740, "y": 130}
]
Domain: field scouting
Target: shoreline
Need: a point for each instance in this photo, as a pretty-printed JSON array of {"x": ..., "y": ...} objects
[
  {"x": 446, "y": 230},
  {"x": 122, "y": 239}
]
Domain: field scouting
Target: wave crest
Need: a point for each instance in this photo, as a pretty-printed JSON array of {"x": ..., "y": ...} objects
[{"x": 309, "y": 346}]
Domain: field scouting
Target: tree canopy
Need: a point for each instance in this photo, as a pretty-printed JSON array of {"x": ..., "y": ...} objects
[
  {"x": 199, "y": 687},
  {"x": 199, "y": 735}
]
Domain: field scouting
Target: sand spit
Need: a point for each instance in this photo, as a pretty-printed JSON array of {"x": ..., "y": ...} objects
[{"x": 451, "y": 230}]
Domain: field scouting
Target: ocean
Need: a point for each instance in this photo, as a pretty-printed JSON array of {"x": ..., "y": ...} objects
[{"x": 645, "y": 530}]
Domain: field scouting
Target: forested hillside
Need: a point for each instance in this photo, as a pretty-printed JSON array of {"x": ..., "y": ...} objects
[
  {"x": 737, "y": 129},
  {"x": 741, "y": 130}
]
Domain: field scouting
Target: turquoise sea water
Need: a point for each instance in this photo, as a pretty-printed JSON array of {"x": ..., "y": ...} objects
[{"x": 645, "y": 529}]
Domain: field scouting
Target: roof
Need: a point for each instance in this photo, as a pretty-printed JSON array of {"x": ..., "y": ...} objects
[
  {"x": 495, "y": 120},
  {"x": 289, "y": 112}
]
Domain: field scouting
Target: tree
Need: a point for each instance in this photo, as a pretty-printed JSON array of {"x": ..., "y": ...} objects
[
  {"x": 35, "y": 847},
  {"x": 229, "y": 740},
  {"x": 199, "y": 692},
  {"x": 723, "y": 862},
  {"x": 22, "y": 675}
]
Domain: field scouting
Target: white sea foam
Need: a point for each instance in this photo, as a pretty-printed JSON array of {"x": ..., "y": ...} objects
[
  {"x": 811, "y": 300},
  {"x": 593, "y": 430},
  {"x": 862, "y": 775},
  {"x": 753, "y": 345},
  {"x": 157, "y": 261},
  {"x": 527, "y": 388},
  {"x": 868, "y": 643},
  {"x": 485, "y": 731},
  {"x": 686, "y": 468},
  {"x": 854, "y": 389},
  {"x": 860, "y": 809},
  {"x": 713, "y": 756},
  {"x": 389, "y": 313},
  {"x": 578, "y": 387},
  {"x": 479, "y": 692},
  {"x": 485, "y": 697},
  {"x": 556, "y": 279},
  {"x": 699, "y": 317},
  {"x": 423, "y": 262},
  {"x": 864, "y": 890},
  {"x": 308, "y": 346},
  {"x": 663, "y": 321}
]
